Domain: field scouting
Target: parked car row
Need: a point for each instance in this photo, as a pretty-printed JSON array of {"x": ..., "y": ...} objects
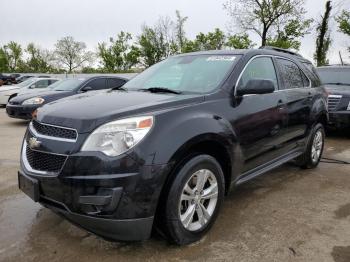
[{"x": 15, "y": 78}]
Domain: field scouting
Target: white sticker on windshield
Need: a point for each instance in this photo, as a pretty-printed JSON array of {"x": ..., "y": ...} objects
[{"x": 221, "y": 58}]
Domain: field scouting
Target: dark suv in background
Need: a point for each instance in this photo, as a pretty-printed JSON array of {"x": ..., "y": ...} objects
[
  {"x": 163, "y": 150},
  {"x": 23, "y": 106},
  {"x": 337, "y": 83}
]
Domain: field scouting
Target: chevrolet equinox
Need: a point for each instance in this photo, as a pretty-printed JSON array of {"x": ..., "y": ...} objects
[{"x": 162, "y": 151}]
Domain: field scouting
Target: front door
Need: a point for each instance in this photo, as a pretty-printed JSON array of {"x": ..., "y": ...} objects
[{"x": 262, "y": 127}]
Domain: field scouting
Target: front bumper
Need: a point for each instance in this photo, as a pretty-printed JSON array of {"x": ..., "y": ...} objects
[
  {"x": 20, "y": 111},
  {"x": 115, "y": 206},
  {"x": 339, "y": 119}
]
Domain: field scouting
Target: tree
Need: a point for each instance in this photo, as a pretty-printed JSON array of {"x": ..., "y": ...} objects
[
  {"x": 323, "y": 40},
  {"x": 239, "y": 41},
  {"x": 180, "y": 30},
  {"x": 210, "y": 41},
  {"x": 151, "y": 48},
  {"x": 39, "y": 60},
  {"x": 119, "y": 55},
  {"x": 14, "y": 54},
  {"x": 72, "y": 54},
  {"x": 344, "y": 23},
  {"x": 289, "y": 36},
  {"x": 264, "y": 16},
  {"x": 4, "y": 63}
]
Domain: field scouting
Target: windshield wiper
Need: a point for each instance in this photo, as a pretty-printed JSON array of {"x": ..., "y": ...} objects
[
  {"x": 338, "y": 84},
  {"x": 160, "y": 90},
  {"x": 119, "y": 88}
]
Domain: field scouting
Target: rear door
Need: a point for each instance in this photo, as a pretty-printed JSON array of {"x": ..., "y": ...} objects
[
  {"x": 263, "y": 124},
  {"x": 298, "y": 92}
]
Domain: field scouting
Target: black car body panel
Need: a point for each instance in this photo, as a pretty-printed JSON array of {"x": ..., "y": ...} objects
[
  {"x": 16, "y": 109},
  {"x": 251, "y": 134}
]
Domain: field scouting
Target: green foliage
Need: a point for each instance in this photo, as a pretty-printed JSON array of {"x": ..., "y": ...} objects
[
  {"x": 4, "y": 63},
  {"x": 39, "y": 60},
  {"x": 152, "y": 49},
  {"x": 239, "y": 41},
  {"x": 289, "y": 37},
  {"x": 119, "y": 55},
  {"x": 211, "y": 41},
  {"x": 14, "y": 53},
  {"x": 323, "y": 40},
  {"x": 344, "y": 23},
  {"x": 180, "y": 31}
]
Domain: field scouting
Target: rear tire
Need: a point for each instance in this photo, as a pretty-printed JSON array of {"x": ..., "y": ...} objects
[
  {"x": 193, "y": 200},
  {"x": 313, "y": 154}
]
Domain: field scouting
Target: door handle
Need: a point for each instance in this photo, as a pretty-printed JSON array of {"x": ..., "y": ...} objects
[{"x": 280, "y": 105}]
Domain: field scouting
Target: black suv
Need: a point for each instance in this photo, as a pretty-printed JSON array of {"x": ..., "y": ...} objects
[
  {"x": 24, "y": 105},
  {"x": 337, "y": 83},
  {"x": 164, "y": 150}
]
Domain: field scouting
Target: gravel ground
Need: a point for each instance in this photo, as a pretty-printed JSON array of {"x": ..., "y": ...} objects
[{"x": 286, "y": 215}]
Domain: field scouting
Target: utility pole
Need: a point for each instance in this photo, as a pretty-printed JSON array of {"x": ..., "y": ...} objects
[{"x": 341, "y": 59}]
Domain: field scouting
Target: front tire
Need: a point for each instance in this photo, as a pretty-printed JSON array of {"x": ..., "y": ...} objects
[
  {"x": 194, "y": 200},
  {"x": 313, "y": 154}
]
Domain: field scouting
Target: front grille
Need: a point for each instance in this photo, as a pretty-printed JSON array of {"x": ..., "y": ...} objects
[
  {"x": 333, "y": 102},
  {"x": 45, "y": 162},
  {"x": 54, "y": 131}
]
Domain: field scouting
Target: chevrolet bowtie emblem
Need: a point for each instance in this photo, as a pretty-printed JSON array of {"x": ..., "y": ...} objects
[{"x": 34, "y": 143}]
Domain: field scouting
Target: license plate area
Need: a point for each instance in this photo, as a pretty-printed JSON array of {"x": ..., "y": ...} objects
[{"x": 29, "y": 186}]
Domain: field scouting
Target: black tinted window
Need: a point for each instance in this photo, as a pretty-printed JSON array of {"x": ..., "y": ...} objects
[
  {"x": 259, "y": 68},
  {"x": 97, "y": 84},
  {"x": 291, "y": 74},
  {"x": 115, "y": 83}
]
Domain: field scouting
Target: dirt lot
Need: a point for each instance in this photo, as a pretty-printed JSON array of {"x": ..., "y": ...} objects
[{"x": 287, "y": 215}]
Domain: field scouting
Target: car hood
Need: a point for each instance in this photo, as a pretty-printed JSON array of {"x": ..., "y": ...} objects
[
  {"x": 338, "y": 89},
  {"x": 8, "y": 88},
  {"x": 85, "y": 112},
  {"x": 49, "y": 96}
]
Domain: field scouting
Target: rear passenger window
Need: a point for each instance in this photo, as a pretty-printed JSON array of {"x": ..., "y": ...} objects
[
  {"x": 97, "y": 84},
  {"x": 291, "y": 74},
  {"x": 115, "y": 83},
  {"x": 259, "y": 68}
]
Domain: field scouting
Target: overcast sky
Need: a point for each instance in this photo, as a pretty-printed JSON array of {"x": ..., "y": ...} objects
[{"x": 93, "y": 21}]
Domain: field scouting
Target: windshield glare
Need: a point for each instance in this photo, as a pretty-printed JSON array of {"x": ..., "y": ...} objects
[
  {"x": 193, "y": 73},
  {"x": 66, "y": 85},
  {"x": 334, "y": 75}
]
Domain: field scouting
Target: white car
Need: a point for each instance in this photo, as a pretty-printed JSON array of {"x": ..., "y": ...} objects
[{"x": 32, "y": 84}]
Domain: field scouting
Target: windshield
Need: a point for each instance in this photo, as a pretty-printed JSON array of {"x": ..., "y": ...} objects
[
  {"x": 28, "y": 82},
  {"x": 334, "y": 75},
  {"x": 191, "y": 74},
  {"x": 66, "y": 85}
]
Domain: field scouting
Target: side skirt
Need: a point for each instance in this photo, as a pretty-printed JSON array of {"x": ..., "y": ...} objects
[{"x": 260, "y": 170}]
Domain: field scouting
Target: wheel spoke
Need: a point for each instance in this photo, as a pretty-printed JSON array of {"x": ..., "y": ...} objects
[
  {"x": 201, "y": 218},
  {"x": 205, "y": 212},
  {"x": 201, "y": 180},
  {"x": 187, "y": 217},
  {"x": 185, "y": 197},
  {"x": 188, "y": 190},
  {"x": 211, "y": 191}
]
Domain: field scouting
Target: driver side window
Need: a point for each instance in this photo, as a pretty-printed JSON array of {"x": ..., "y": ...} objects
[{"x": 259, "y": 68}]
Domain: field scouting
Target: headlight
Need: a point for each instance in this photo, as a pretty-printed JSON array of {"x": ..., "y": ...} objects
[
  {"x": 34, "y": 101},
  {"x": 117, "y": 137}
]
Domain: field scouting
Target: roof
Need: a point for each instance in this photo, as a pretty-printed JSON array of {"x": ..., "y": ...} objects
[{"x": 262, "y": 51}]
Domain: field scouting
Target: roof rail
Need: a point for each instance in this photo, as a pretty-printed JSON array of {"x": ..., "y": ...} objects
[{"x": 287, "y": 51}]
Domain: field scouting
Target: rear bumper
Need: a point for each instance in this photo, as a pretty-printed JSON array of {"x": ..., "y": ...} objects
[{"x": 20, "y": 111}]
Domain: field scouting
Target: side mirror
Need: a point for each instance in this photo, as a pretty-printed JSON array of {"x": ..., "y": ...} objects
[
  {"x": 86, "y": 88},
  {"x": 257, "y": 87}
]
